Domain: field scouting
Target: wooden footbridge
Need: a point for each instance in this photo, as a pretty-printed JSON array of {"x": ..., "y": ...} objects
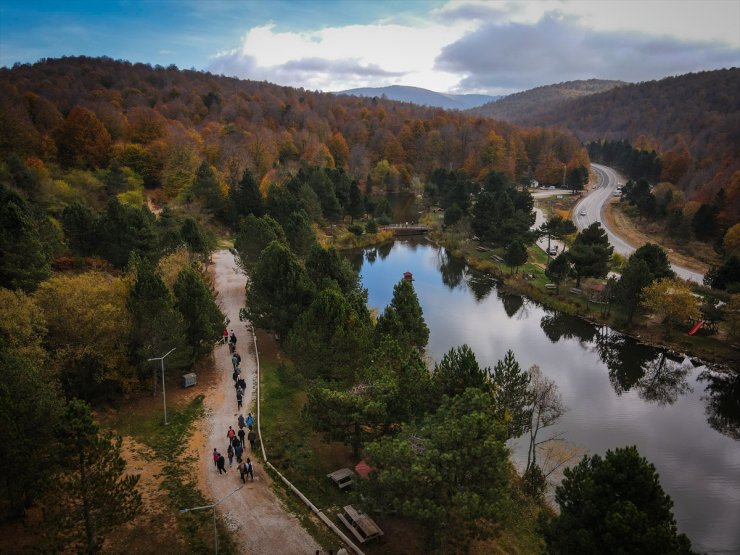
[{"x": 406, "y": 229}]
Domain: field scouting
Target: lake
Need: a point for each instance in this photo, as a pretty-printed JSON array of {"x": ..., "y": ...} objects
[{"x": 683, "y": 418}]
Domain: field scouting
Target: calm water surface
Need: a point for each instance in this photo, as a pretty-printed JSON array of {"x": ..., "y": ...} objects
[{"x": 682, "y": 419}]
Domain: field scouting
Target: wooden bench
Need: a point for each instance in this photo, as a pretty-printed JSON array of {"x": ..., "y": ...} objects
[
  {"x": 497, "y": 258},
  {"x": 362, "y": 526},
  {"x": 575, "y": 291},
  {"x": 550, "y": 286},
  {"x": 343, "y": 477}
]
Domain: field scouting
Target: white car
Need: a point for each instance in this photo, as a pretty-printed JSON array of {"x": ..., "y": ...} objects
[{"x": 583, "y": 212}]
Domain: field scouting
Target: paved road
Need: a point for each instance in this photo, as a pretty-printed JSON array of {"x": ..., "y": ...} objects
[{"x": 591, "y": 208}]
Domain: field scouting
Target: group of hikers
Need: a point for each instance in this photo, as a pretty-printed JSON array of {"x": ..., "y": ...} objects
[
  {"x": 236, "y": 440},
  {"x": 236, "y": 449}
]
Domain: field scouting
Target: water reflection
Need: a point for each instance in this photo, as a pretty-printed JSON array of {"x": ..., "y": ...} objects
[
  {"x": 558, "y": 325},
  {"x": 512, "y": 303},
  {"x": 722, "y": 401},
  {"x": 663, "y": 380},
  {"x": 620, "y": 392},
  {"x": 624, "y": 357},
  {"x": 451, "y": 268},
  {"x": 481, "y": 286}
]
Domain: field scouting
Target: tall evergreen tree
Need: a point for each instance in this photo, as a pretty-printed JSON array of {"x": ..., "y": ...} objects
[
  {"x": 515, "y": 255},
  {"x": 330, "y": 339},
  {"x": 403, "y": 319},
  {"x": 207, "y": 189},
  {"x": 157, "y": 325},
  {"x": 253, "y": 235},
  {"x": 299, "y": 233},
  {"x": 635, "y": 277},
  {"x": 324, "y": 265},
  {"x": 79, "y": 223},
  {"x": 29, "y": 403},
  {"x": 279, "y": 291},
  {"x": 94, "y": 492},
  {"x": 510, "y": 384},
  {"x": 457, "y": 371},
  {"x": 24, "y": 261},
  {"x": 123, "y": 229},
  {"x": 614, "y": 505},
  {"x": 356, "y": 207},
  {"x": 245, "y": 198},
  {"x": 590, "y": 253},
  {"x": 204, "y": 321}
]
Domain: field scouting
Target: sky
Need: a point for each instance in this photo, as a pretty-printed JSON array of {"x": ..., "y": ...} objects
[{"x": 458, "y": 46}]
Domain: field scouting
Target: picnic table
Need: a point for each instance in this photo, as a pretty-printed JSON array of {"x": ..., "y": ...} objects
[
  {"x": 362, "y": 526},
  {"x": 344, "y": 477}
]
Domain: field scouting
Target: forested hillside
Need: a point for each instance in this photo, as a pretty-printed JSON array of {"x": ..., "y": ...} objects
[
  {"x": 692, "y": 121},
  {"x": 524, "y": 106},
  {"x": 162, "y": 122}
]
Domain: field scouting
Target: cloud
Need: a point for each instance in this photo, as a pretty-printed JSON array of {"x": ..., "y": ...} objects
[
  {"x": 515, "y": 56},
  {"x": 337, "y": 58}
]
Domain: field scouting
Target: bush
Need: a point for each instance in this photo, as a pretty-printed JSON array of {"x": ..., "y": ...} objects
[
  {"x": 371, "y": 227},
  {"x": 357, "y": 229}
]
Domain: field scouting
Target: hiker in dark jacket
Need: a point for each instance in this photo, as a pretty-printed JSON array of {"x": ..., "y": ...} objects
[
  {"x": 241, "y": 437},
  {"x": 220, "y": 464}
]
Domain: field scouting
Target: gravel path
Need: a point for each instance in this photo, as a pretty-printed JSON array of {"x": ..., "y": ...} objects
[{"x": 260, "y": 523}]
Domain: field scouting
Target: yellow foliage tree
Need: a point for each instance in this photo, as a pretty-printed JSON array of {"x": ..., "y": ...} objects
[
  {"x": 731, "y": 242},
  {"x": 88, "y": 331},
  {"x": 673, "y": 300},
  {"x": 22, "y": 325}
]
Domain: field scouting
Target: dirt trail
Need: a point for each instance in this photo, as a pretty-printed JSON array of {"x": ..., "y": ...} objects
[{"x": 260, "y": 523}]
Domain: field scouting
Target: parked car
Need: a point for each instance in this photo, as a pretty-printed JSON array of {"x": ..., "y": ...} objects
[
  {"x": 583, "y": 212},
  {"x": 552, "y": 251}
]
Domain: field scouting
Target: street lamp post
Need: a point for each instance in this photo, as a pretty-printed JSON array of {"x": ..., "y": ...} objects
[
  {"x": 164, "y": 397},
  {"x": 213, "y": 506}
]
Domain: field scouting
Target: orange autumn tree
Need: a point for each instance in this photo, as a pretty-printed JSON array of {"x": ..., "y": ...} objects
[{"x": 82, "y": 140}]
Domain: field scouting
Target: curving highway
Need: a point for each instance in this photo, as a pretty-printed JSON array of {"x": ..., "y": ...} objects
[{"x": 590, "y": 209}]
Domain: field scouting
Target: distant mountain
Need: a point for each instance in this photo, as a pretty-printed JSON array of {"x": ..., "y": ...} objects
[
  {"x": 528, "y": 105},
  {"x": 423, "y": 97}
]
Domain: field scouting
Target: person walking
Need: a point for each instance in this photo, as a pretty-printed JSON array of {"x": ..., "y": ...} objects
[
  {"x": 241, "y": 383},
  {"x": 241, "y": 436},
  {"x": 239, "y": 397},
  {"x": 230, "y": 433},
  {"x": 241, "y": 421},
  {"x": 252, "y": 437},
  {"x": 235, "y": 360},
  {"x": 238, "y": 451},
  {"x": 221, "y": 464},
  {"x": 226, "y": 336},
  {"x": 242, "y": 467},
  {"x": 215, "y": 458},
  {"x": 249, "y": 469},
  {"x": 250, "y": 420},
  {"x": 230, "y": 454},
  {"x": 232, "y": 340}
]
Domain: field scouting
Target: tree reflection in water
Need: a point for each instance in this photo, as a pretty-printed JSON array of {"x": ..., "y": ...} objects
[
  {"x": 558, "y": 325},
  {"x": 451, "y": 268},
  {"x": 722, "y": 401},
  {"x": 663, "y": 381},
  {"x": 632, "y": 365},
  {"x": 624, "y": 357},
  {"x": 512, "y": 303}
]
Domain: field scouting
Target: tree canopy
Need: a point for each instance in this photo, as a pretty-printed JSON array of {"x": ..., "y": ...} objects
[{"x": 614, "y": 504}]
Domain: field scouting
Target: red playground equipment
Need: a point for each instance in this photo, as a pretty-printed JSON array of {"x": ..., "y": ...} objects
[{"x": 696, "y": 327}]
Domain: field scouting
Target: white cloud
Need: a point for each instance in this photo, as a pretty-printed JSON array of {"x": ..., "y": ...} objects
[
  {"x": 497, "y": 46},
  {"x": 377, "y": 54}
]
